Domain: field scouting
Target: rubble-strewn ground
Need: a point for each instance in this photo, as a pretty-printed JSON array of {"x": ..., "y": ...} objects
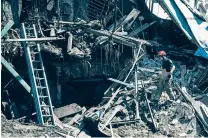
[
  {"x": 90, "y": 55},
  {"x": 173, "y": 119},
  {"x": 16, "y": 129}
]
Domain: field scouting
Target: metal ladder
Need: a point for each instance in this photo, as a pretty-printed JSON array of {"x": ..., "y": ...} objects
[{"x": 38, "y": 79}]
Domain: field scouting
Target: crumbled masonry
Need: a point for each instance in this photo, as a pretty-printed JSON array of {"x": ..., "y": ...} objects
[{"x": 77, "y": 68}]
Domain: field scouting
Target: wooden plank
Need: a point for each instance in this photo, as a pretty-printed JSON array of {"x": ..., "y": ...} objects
[
  {"x": 115, "y": 38},
  {"x": 130, "y": 17},
  {"x": 6, "y": 28},
  {"x": 126, "y": 40},
  {"x": 74, "y": 119},
  {"x": 121, "y": 82},
  {"x": 57, "y": 121},
  {"x": 67, "y": 110},
  {"x": 111, "y": 130},
  {"x": 115, "y": 111},
  {"x": 141, "y": 28}
]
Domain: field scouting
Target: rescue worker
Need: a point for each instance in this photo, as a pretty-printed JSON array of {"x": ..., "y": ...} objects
[{"x": 165, "y": 79}]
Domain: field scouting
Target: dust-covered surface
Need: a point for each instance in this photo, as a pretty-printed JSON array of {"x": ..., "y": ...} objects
[
  {"x": 175, "y": 121},
  {"x": 16, "y": 129},
  {"x": 172, "y": 118},
  {"x": 92, "y": 55}
]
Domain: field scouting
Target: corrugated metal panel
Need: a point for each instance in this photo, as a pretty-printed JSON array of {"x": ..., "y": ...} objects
[{"x": 194, "y": 28}]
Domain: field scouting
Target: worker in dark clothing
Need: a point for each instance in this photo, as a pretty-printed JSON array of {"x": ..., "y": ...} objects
[{"x": 165, "y": 79}]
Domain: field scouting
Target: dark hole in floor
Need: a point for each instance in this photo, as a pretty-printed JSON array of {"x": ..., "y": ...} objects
[{"x": 85, "y": 92}]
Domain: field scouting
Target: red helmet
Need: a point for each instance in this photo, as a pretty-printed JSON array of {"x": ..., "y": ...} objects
[{"x": 162, "y": 53}]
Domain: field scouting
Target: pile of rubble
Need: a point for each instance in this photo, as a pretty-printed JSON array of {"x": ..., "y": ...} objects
[
  {"x": 22, "y": 128},
  {"x": 17, "y": 129},
  {"x": 118, "y": 116},
  {"x": 126, "y": 109},
  {"x": 128, "y": 113}
]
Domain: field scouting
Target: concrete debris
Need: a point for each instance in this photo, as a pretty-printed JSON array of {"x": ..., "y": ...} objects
[
  {"x": 81, "y": 54},
  {"x": 172, "y": 119},
  {"x": 76, "y": 53},
  {"x": 52, "y": 50}
]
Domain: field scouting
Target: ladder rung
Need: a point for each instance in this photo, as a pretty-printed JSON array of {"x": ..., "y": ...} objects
[
  {"x": 45, "y": 105},
  {"x": 47, "y": 115},
  {"x": 34, "y": 52},
  {"x": 29, "y": 28},
  {"x": 38, "y": 69},
  {"x": 43, "y": 96},
  {"x": 31, "y": 45},
  {"x": 36, "y": 61},
  {"x": 39, "y": 78},
  {"x": 31, "y": 36},
  {"x": 48, "y": 125},
  {"x": 41, "y": 87}
]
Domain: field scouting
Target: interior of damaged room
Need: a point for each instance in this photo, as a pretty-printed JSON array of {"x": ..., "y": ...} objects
[{"x": 104, "y": 68}]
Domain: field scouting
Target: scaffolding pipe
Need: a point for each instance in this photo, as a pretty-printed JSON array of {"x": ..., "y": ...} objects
[{"x": 34, "y": 39}]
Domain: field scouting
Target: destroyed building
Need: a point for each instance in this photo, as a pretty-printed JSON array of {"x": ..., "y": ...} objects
[{"x": 89, "y": 68}]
